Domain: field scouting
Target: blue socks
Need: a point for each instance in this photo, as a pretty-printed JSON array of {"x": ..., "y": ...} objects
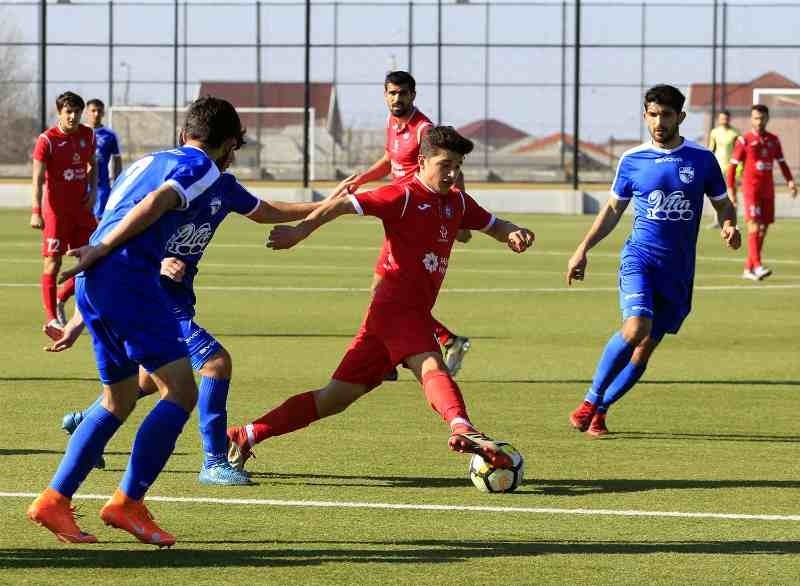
[
  {"x": 621, "y": 385},
  {"x": 616, "y": 355},
  {"x": 213, "y": 396},
  {"x": 84, "y": 448},
  {"x": 154, "y": 444}
]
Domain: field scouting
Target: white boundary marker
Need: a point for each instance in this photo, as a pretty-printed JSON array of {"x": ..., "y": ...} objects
[{"x": 432, "y": 507}]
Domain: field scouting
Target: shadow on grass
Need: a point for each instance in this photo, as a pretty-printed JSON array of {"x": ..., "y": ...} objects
[
  {"x": 586, "y": 381},
  {"x": 91, "y": 379},
  {"x": 317, "y": 335},
  {"x": 195, "y": 554},
  {"x": 38, "y": 451},
  {"x": 719, "y": 437}
]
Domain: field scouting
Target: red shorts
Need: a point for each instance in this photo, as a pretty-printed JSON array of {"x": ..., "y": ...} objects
[
  {"x": 759, "y": 208},
  {"x": 63, "y": 231},
  {"x": 387, "y": 337}
]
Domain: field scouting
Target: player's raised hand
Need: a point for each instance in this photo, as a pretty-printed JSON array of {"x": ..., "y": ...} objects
[
  {"x": 347, "y": 185},
  {"x": 173, "y": 268},
  {"x": 576, "y": 267},
  {"x": 283, "y": 237},
  {"x": 37, "y": 222},
  {"x": 731, "y": 236},
  {"x": 87, "y": 256},
  {"x": 521, "y": 240}
]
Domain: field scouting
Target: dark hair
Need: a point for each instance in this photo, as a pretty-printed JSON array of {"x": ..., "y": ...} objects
[
  {"x": 444, "y": 138},
  {"x": 760, "y": 108},
  {"x": 726, "y": 112},
  {"x": 665, "y": 95},
  {"x": 70, "y": 99},
  {"x": 212, "y": 121},
  {"x": 96, "y": 102},
  {"x": 400, "y": 78}
]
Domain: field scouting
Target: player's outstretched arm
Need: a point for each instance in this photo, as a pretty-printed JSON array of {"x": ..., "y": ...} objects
[
  {"x": 142, "y": 216},
  {"x": 378, "y": 170},
  {"x": 605, "y": 222},
  {"x": 275, "y": 212},
  {"x": 72, "y": 332},
  {"x": 726, "y": 213},
  {"x": 518, "y": 239},
  {"x": 281, "y": 237},
  {"x": 37, "y": 222}
]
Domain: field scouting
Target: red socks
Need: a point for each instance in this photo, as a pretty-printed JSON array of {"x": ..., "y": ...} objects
[
  {"x": 49, "y": 295},
  {"x": 442, "y": 333},
  {"x": 445, "y": 397},
  {"x": 66, "y": 290},
  {"x": 293, "y": 414},
  {"x": 753, "y": 251}
]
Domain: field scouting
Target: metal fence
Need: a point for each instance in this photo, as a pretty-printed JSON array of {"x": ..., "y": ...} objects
[{"x": 539, "y": 105}]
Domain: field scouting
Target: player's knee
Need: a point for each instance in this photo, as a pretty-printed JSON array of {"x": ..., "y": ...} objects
[
  {"x": 636, "y": 329},
  {"x": 219, "y": 366},
  {"x": 336, "y": 397},
  {"x": 52, "y": 264}
]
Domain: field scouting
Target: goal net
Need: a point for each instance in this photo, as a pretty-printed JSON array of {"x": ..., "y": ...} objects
[
  {"x": 274, "y": 148},
  {"x": 784, "y": 121}
]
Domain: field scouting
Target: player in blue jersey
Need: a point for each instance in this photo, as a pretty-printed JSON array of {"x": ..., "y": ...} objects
[
  {"x": 666, "y": 179},
  {"x": 119, "y": 295},
  {"x": 107, "y": 154},
  {"x": 209, "y": 358}
]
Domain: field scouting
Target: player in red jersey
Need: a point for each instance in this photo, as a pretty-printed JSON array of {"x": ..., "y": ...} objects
[
  {"x": 757, "y": 149},
  {"x": 64, "y": 172},
  {"x": 405, "y": 128},
  {"x": 420, "y": 220}
]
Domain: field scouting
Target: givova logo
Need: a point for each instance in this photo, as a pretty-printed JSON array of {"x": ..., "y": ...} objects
[
  {"x": 669, "y": 207},
  {"x": 190, "y": 239}
]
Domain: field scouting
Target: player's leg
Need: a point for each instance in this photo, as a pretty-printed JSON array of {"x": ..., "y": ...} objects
[
  {"x": 445, "y": 398},
  {"x": 51, "y": 265},
  {"x": 392, "y": 374},
  {"x": 767, "y": 218},
  {"x": 80, "y": 230},
  {"x": 752, "y": 216},
  {"x": 455, "y": 346}
]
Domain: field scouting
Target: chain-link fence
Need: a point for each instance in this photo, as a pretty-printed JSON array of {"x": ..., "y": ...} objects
[{"x": 503, "y": 72}]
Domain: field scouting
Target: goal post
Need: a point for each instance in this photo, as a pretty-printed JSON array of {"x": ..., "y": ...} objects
[
  {"x": 784, "y": 120},
  {"x": 274, "y": 139}
]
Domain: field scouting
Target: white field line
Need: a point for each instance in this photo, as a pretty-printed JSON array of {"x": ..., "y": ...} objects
[
  {"x": 457, "y": 290},
  {"x": 433, "y": 507},
  {"x": 733, "y": 258}
]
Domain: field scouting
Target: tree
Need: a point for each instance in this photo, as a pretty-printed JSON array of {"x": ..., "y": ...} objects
[{"x": 18, "y": 126}]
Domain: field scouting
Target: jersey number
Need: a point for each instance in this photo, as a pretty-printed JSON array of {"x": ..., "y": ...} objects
[{"x": 131, "y": 173}]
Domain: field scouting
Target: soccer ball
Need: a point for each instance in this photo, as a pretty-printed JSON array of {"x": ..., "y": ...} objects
[{"x": 487, "y": 478}]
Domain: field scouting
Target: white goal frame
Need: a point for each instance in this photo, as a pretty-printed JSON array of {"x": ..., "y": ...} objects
[
  {"x": 262, "y": 110},
  {"x": 769, "y": 91}
]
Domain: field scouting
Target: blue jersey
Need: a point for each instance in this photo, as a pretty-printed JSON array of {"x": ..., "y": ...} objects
[
  {"x": 190, "y": 240},
  {"x": 106, "y": 147},
  {"x": 189, "y": 171},
  {"x": 667, "y": 188}
]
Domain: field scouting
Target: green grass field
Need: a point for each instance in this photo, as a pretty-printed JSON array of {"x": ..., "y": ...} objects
[{"x": 710, "y": 429}]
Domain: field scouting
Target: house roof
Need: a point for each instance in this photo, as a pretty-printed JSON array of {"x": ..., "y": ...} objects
[
  {"x": 492, "y": 132},
  {"x": 737, "y": 95},
  {"x": 567, "y": 139}
]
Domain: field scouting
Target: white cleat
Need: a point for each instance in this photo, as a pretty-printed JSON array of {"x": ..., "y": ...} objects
[
  {"x": 749, "y": 275},
  {"x": 762, "y": 272},
  {"x": 61, "y": 313},
  {"x": 454, "y": 353}
]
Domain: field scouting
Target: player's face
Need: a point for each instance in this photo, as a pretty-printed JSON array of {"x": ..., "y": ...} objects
[
  {"x": 758, "y": 120},
  {"x": 441, "y": 171},
  {"x": 399, "y": 99},
  {"x": 662, "y": 123},
  {"x": 69, "y": 118},
  {"x": 723, "y": 120},
  {"x": 94, "y": 115}
]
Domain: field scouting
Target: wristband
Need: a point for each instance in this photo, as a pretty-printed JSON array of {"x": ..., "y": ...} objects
[{"x": 36, "y": 210}]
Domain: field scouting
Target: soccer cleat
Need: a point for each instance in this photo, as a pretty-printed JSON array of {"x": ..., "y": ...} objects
[
  {"x": 70, "y": 423},
  {"x": 471, "y": 441},
  {"x": 392, "y": 375},
  {"x": 53, "y": 511},
  {"x": 581, "y": 418},
  {"x": 54, "y": 330},
  {"x": 762, "y": 272},
  {"x": 598, "y": 426},
  {"x": 223, "y": 475},
  {"x": 750, "y": 275},
  {"x": 454, "y": 351},
  {"x": 61, "y": 313},
  {"x": 239, "y": 450},
  {"x": 132, "y": 516}
]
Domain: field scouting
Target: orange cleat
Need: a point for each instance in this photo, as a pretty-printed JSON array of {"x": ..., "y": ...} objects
[
  {"x": 598, "y": 426},
  {"x": 581, "y": 418},
  {"x": 55, "y": 512},
  {"x": 469, "y": 440},
  {"x": 132, "y": 516}
]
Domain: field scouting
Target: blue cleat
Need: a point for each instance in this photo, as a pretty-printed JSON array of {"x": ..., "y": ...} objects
[
  {"x": 70, "y": 423},
  {"x": 223, "y": 475}
]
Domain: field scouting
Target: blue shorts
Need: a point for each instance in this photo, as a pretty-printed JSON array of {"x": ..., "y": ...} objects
[
  {"x": 200, "y": 344},
  {"x": 650, "y": 288},
  {"x": 130, "y": 321}
]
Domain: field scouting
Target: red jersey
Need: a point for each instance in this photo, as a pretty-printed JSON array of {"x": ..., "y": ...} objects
[
  {"x": 420, "y": 226},
  {"x": 402, "y": 144},
  {"x": 66, "y": 158},
  {"x": 757, "y": 152}
]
